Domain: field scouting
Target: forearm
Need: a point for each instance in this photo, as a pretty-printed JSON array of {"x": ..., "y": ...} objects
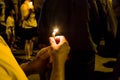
[
  {"x": 28, "y": 68},
  {"x": 35, "y": 66},
  {"x": 58, "y": 72}
]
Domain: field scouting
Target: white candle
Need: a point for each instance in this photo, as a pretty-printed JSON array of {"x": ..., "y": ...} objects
[
  {"x": 55, "y": 31},
  {"x": 57, "y": 38}
]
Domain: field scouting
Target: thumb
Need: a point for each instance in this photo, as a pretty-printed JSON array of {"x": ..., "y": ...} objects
[{"x": 52, "y": 41}]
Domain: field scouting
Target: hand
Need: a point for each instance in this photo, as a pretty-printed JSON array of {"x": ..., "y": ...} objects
[
  {"x": 44, "y": 53},
  {"x": 31, "y": 5},
  {"x": 60, "y": 50},
  {"x": 39, "y": 63}
]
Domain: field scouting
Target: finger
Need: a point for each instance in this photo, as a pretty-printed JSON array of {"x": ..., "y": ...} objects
[
  {"x": 55, "y": 45},
  {"x": 42, "y": 51},
  {"x": 52, "y": 41},
  {"x": 62, "y": 40}
]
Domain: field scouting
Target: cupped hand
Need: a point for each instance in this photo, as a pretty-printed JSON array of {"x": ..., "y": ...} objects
[{"x": 60, "y": 50}]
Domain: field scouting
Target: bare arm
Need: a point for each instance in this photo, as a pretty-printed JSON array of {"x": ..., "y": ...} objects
[
  {"x": 38, "y": 64},
  {"x": 59, "y": 57},
  {"x": 58, "y": 54}
]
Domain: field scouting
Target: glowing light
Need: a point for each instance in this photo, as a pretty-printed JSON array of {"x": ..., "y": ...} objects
[
  {"x": 55, "y": 31},
  {"x": 31, "y": 4}
]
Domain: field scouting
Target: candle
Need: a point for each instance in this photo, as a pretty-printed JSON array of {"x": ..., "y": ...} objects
[
  {"x": 54, "y": 32},
  {"x": 57, "y": 38}
]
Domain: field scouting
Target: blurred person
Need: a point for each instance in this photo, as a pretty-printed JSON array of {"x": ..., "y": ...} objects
[
  {"x": 29, "y": 24},
  {"x": 38, "y": 6},
  {"x": 10, "y": 28},
  {"x": 16, "y": 8},
  {"x": 79, "y": 21},
  {"x": 5, "y": 9},
  {"x": 13, "y": 4},
  {"x": 71, "y": 17},
  {"x": 108, "y": 30},
  {"x": 2, "y": 12},
  {"x": 10, "y": 69},
  {"x": 116, "y": 8},
  {"x": 8, "y": 64},
  {"x": 116, "y": 68},
  {"x": 2, "y": 20}
]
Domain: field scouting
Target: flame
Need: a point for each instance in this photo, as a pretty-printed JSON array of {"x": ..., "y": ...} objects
[{"x": 55, "y": 31}]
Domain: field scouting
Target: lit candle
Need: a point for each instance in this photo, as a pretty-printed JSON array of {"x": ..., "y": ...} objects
[
  {"x": 54, "y": 32},
  {"x": 57, "y": 38}
]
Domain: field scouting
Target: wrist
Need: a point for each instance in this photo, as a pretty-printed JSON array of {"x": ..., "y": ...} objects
[
  {"x": 59, "y": 62},
  {"x": 57, "y": 71}
]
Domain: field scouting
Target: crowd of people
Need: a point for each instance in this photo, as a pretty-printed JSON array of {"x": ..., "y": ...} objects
[
  {"x": 86, "y": 27},
  {"x": 19, "y": 22}
]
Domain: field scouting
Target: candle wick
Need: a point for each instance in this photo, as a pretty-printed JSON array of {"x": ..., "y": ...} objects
[{"x": 53, "y": 34}]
